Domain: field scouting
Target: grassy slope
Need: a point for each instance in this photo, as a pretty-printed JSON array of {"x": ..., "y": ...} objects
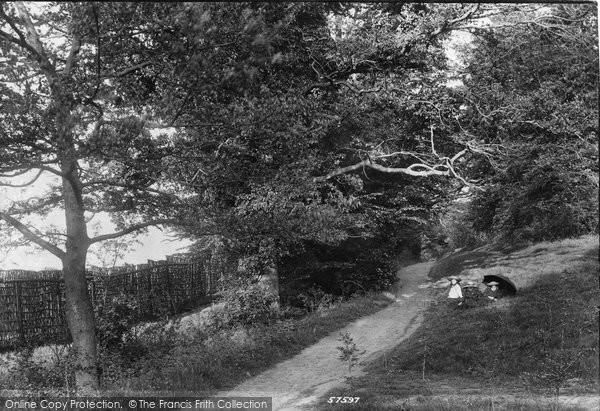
[{"x": 505, "y": 351}]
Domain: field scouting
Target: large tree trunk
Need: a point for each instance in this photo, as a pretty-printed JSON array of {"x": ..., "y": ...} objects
[
  {"x": 80, "y": 317},
  {"x": 80, "y": 313}
]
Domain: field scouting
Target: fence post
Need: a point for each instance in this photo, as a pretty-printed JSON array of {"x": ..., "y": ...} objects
[
  {"x": 60, "y": 317},
  {"x": 193, "y": 291},
  {"x": 170, "y": 289},
  {"x": 149, "y": 296},
  {"x": 18, "y": 292},
  {"x": 207, "y": 271},
  {"x": 93, "y": 290}
]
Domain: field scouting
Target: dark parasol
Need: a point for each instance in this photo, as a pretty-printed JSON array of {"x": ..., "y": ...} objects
[{"x": 504, "y": 283}]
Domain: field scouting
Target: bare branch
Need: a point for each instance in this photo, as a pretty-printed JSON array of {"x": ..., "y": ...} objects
[
  {"x": 417, "y": 170},
  {"x": 432, "y": 145},
  {"x": 458, "y": 155},
  {"x": 444, "y": 165},
  {"x": 31, "y": 236}
]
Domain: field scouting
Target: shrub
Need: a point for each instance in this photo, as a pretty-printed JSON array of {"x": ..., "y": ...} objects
[
  {"x": 371, "y": 270},
  {"x": 115, "y": 317},
  {"x": 546, "y": 203},
  {"x": 245, "y": 304},
  {"x": 315, "y": 299},
  {"x": 52, "y": 375}
]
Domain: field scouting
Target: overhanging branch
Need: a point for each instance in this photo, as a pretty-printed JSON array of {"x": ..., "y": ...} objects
[
  {"x": 31, "y": 236},
  {"x": 416, "y": 170},
  {"x": 439, "y": 166}
]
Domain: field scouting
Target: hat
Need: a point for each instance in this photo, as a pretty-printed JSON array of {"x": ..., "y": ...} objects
[
  {"x": 470, "y": 284},
  {"x": 493, "y": 283}
]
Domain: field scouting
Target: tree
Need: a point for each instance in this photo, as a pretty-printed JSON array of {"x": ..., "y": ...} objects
[
  {"x": 531, "y": 90},
  {"x": 75, "y": 83},
  {"x": 330, "y": 106}
]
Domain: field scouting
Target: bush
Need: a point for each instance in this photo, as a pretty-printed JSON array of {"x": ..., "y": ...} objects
[
  {"x": 142, "y": 350},
  {"x": 52, "y": 375},
  {"x": 245, "y": 304},
  {"x": 115, "y": 317},
  {"x": 374, "y": 270},
  {"x": 315, "y": 299},
  {"x": 546, "y": 204}
]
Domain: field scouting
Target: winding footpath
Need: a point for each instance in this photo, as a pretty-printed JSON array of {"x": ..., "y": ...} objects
[{"x": 298, "y": 383}]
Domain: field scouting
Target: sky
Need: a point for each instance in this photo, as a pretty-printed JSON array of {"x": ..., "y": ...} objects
[{"x": 154, "y": 244}]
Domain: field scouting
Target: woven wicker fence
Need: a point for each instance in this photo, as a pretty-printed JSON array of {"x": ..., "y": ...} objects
[{"x": 32, "y": 304}]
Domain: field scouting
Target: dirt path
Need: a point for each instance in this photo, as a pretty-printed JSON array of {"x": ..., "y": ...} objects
[{"x": 297, "y": 384}]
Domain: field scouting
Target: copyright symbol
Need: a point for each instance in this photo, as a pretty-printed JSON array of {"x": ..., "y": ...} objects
[{"x": 132, "y": 404}]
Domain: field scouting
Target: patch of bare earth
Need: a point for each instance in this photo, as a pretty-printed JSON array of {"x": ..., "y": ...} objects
[{"x": 299, "y": 382}]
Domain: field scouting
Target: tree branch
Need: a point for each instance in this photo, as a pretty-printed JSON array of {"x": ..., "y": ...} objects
[
  {"x": 448, "y": 25},
  {"x": 33, "y": 205},
  {"x": 97, "y": 88},
  {"x": 412, "y": 170},
  {"x": 31, "y": 236},
  {"x": 75, "y": 47},
  {"x": 18, "y": 42},
  {"x": 128, "y": 70},
  {"x": 25, "y": 168},
  {"x": 133, "y": 228},
  {"x": 124, "y": 185},
  {"x": 33, "y": 39},
  {"x": 33, "y": 180}
]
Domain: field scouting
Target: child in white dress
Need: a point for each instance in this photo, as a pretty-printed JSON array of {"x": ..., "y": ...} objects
[{"x": 455, "y": 289}]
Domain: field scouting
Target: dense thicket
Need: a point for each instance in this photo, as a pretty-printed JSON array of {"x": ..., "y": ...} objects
[{"x": 531, "y": 88}]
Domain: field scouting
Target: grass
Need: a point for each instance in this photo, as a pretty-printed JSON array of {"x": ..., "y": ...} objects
[
  {"x": 524, "y": 265},
  {"x": 453, "y": 402},
  {"x": 542, "y": 342}
]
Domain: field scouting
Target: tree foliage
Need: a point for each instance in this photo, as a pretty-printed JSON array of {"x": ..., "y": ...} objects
[
  {"x": 321, "y": 135},
  {"x": 531, "y": 89}
]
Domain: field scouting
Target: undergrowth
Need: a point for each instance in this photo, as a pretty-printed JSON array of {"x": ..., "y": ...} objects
[
  {"x": 226, "y": 351},
  {"x": 218, "y": 358}
]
